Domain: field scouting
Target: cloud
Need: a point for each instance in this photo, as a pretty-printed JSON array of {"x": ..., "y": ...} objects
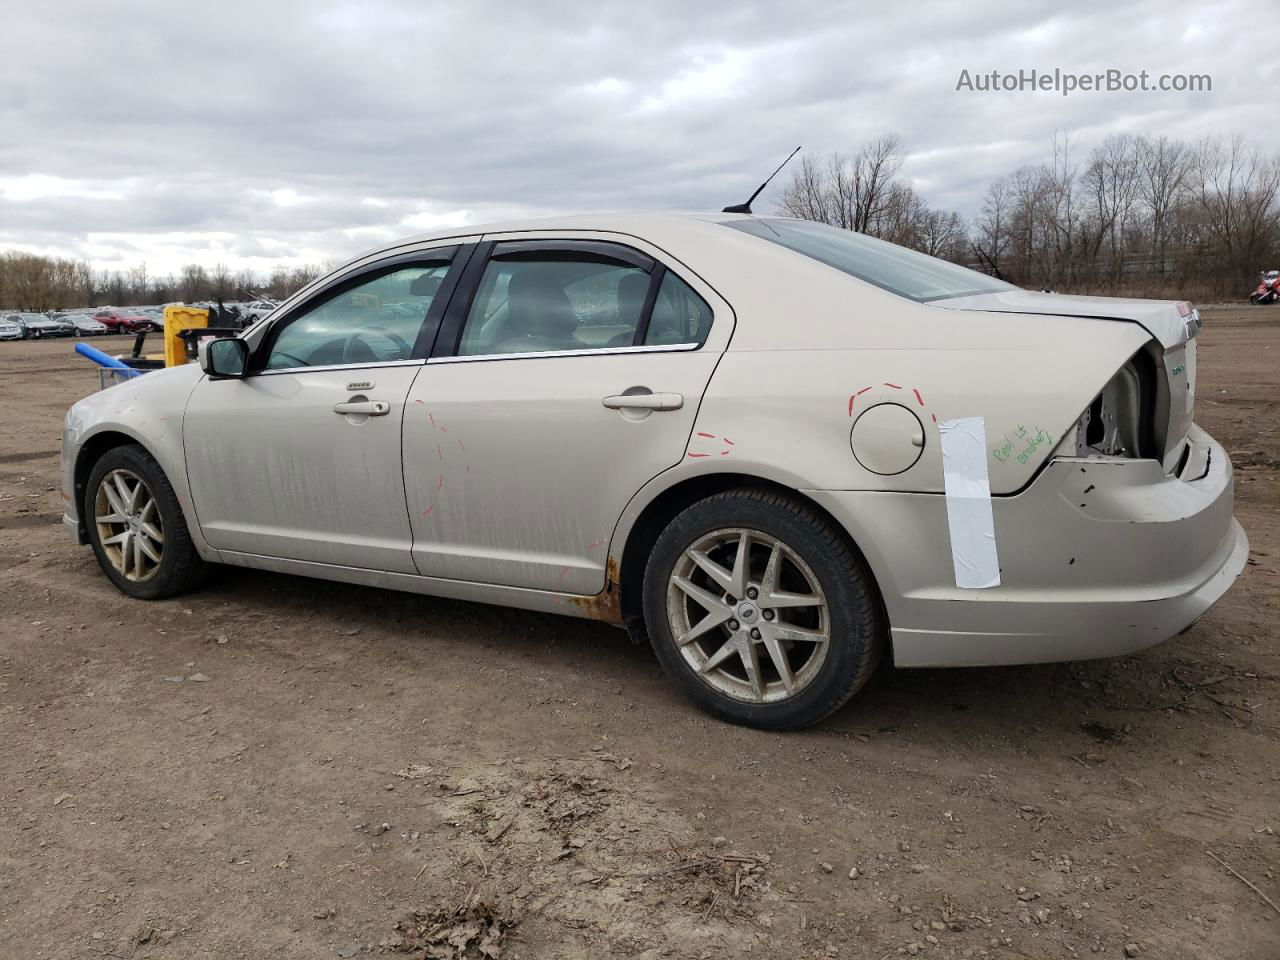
[{"x": 255, "y": 133}]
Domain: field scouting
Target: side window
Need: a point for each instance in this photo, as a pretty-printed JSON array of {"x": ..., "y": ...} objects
[
  {"x": 679, "y": 315},
  {"x": 375, "y": 321},
  {"x": 552, "y": 302}
]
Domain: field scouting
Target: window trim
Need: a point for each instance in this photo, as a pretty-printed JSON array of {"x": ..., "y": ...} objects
[
  {"x": 319, "y": 368},
  {"x": 449, "y": 339},
  {"x": 584, "y": 250},
  {"x": 650, "y": 298},
  {"x": 588, "y": 352},
  {"x": 456, "y": 255}
]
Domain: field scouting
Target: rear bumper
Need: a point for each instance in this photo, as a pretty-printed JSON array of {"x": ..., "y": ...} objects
[{"x": 1098, "y": 558}]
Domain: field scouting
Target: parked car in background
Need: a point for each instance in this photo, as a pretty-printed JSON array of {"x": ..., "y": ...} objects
[
  {"x": 87, "y": 325},
  {"x": 11, "y": 329},
  {"x": 779, "y": 451},
  {"x": 123, "y": 321},
  {"x": 64, "y": 321},
  {"x": 255, "y": 310},
  {"x": 37, "y": 325}
]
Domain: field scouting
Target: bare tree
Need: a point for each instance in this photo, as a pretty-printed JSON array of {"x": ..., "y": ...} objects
[
  {"x": 993, "y": 233},
  {"x": 1236, "y": 191},
  {"x": 139, "y": 288},
  {"x": 806, "y": 195},
  {"x": 1163, "y": 166},
  {"x": 195, "y": 283},
  {"x": 220, "y": 282},
  {"x": 246, "y": 281},
  {"x": 941, "y": 233},
  {"x": 1110, "y": 185},
  {"x": 855, "y": 192}
]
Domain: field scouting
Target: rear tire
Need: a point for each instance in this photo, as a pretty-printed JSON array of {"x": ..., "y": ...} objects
[
  {"x": 802, "y": 640},
  {"x": 136, "y": 526}
]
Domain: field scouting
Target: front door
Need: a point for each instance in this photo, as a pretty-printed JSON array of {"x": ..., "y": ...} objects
[
  {"x": 569, "y": 378},
  {"x": 301, "y": 459}
]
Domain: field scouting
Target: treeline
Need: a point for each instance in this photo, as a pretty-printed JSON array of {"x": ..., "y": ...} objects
[
  {"x": 37, "y": 283},
  {"x": 1137, "y": 216}
]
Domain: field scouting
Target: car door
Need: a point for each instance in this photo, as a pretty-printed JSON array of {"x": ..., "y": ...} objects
[
  {"x": 566, "y": 375},
  {"x": 301, "y": 458}
]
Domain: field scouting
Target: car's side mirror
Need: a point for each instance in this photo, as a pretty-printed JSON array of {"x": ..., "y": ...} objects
[{"x": 224, "y": 358}]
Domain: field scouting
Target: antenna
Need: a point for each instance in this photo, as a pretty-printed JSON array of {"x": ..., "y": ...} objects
[{"x": 746, "y": 207}]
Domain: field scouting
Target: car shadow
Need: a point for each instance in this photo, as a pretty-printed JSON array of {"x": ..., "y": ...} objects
[{"x": 1093, "y": 702}]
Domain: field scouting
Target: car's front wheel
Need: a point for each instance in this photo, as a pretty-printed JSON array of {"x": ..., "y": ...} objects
[
  {"x": 136, "y": 526},
  {"x": 761, "y": 611}
]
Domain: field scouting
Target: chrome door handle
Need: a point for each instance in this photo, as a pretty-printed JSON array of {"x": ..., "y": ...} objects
[
  {"x": 644, "y": 401},
  {"x": 368, "y": 408}
]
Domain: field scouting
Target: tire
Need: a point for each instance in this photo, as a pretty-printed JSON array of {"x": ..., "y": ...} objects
[
  {"x": 179, "y": 568},
  {"x": 815, "y": 561},
  {"x": 36, "y": 334}
]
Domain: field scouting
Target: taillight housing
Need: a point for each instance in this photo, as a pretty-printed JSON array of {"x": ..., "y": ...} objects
[{"x": 1120, "y": 422}]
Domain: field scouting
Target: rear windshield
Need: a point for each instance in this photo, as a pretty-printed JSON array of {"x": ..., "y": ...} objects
[{"x": 908, "y": 273}]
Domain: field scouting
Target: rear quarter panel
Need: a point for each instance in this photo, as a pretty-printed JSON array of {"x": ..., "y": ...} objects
[{"x": 791, "y": 412}]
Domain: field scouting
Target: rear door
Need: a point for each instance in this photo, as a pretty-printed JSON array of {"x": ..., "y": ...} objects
[
  {"x": 566, "y": 375},
  {"x": 301, "y": 459}
]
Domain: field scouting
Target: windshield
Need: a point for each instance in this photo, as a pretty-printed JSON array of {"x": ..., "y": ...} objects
[{"x": 908, "y": 273}]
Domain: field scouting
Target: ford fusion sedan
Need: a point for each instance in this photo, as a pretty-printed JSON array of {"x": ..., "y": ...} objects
[{"x": 777, "y": 450}]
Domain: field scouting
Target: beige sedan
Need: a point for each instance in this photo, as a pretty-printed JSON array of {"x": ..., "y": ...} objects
[{"x": 778, "y": 450}]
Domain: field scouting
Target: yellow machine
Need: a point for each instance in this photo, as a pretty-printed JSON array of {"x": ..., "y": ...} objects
[{"x": 175, "y": 319}]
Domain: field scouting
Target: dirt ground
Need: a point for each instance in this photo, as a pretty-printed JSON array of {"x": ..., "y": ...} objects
[{"x": 278, "y": 767}]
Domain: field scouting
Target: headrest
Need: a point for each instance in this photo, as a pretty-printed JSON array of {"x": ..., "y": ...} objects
[{"x": 538, "y": 306}]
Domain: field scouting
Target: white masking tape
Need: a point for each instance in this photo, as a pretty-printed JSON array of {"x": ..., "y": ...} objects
[{"x": 968, "y": 491}]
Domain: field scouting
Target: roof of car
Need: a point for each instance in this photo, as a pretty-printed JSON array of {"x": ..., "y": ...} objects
[{"x": 634, "y": 222}]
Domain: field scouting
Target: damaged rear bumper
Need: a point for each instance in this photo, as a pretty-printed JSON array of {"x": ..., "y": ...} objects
[{"x": 1098, "y": 558}]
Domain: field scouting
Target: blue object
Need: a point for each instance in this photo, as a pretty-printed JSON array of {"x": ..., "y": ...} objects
[{"x": 100, "y": 358}]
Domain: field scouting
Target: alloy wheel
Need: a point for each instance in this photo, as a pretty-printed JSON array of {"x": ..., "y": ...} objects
[
  {"x": 748, "y": 615},
  {"x": 129, "y": 525}
]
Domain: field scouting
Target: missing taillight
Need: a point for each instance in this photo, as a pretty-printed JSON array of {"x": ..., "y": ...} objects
[{"x": 1119, "y": 421}]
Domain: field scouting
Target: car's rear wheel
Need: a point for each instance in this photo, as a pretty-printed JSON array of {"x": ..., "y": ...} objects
[
  {"x": 761, "y": 611},
  {"x": 136, "y": 526}
]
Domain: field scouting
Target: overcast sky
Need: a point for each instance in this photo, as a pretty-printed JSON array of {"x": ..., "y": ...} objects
[{"x": 256, "y": 133}]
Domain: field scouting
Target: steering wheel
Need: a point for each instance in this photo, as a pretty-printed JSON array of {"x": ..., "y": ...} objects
[{"x": 356, "y": 337}]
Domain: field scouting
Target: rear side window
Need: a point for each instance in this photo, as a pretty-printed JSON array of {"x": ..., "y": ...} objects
[
  {"x": 679, "y": 315},
  {"x": 561, "y": 303},
  {"x": 908, "y": 273}
]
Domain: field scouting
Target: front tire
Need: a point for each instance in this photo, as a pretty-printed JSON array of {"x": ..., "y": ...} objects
[
  {"x": 761, "y": 611},
  {"x": 136, "y": 526}
]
